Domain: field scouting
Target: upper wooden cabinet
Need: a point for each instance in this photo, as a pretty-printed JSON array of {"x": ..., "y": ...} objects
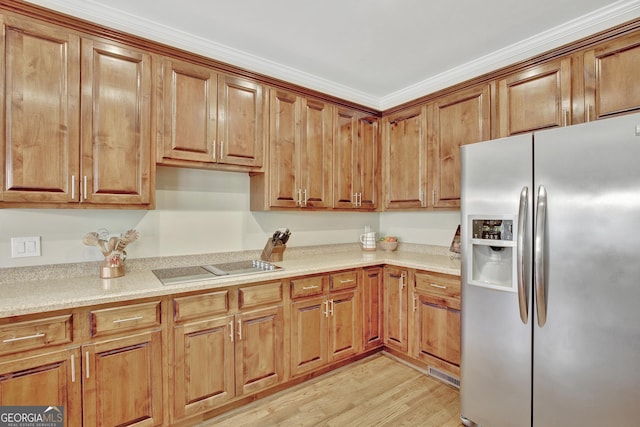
[
  {"x": 300, "y": 150},
  {"x": 355, "y": 158},
  {"x": 404, "y": 170},
  {"x": 611, "y": 72},
  {"x": 209, "y": 118},
  {"x": 535, "y": 98},
  {"x": 116, "y": 125},
  {"x": 454, "y": 120},
  {"x": 41, "y": 111},
  {"x": 54, "y": 80}
]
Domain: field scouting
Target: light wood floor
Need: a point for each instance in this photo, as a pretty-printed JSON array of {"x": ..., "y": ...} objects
[{"x": 376, "y": 391}]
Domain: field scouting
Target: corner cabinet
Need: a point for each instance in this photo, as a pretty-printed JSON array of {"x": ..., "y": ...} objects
[
  {"x": 48, "y": 158},
  {"x": 404, "y": 171},
  {"x": 355, "y": 160},
  {"x": 209, "y": 119}
]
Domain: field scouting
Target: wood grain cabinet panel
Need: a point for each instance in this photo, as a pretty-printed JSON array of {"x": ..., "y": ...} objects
[
  {"x": 610, "y": 78},
  {"x": 372, "y": 325},
  {"x": 300, "y": 155},
  {"x": 454, "y": 120},
  {"x": 536, "y": 98},
  {"x": 204, "y": 365},
  {"x": 116, "y": 131},
  {"x": 355, "y": 160},
  {"x": 309, "y": 333},
  {"x": 209, "y": 118},
  {"x": 259, "y": 350},
  {"x": 396, "y": 308},
  {"x": 436, "y": 320},
  {"x": 122, "y": 381},
  {"x": 405, "y": 159},
  {"x": 41, "y": 112},
  {"x": 49, "y": 379},
  {"x": 190, "y": 111}
]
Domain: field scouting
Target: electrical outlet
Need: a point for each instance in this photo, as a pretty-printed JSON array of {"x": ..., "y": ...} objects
[{"x": 25, "y": 246}]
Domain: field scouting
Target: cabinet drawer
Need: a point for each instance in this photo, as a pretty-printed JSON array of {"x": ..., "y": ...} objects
[
  {"x": 442, "y": 287},
  {"x": 344, "y": 280},
  {"x": 307, "y": 286},
  {"x": 32, "y": 334},
  {"x": 200, "y": 305},
  {"x": 126, "y": 318},
  {"x": 251, "y": 296}
]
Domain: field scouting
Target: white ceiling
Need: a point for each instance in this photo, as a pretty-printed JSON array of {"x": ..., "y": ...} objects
[{"x": 378, "y": 53}]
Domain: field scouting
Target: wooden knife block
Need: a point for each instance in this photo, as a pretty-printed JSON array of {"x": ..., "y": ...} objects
[{"x": 273, "y": 252}]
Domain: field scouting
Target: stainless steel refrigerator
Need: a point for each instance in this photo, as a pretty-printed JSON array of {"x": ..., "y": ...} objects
[{"x": 550, "y": 231}]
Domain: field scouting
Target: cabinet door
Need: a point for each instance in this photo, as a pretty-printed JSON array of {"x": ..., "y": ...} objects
[
  {"x": 372, "y": 308},
  {"x": 190, "y": 111},
  {"x": 344, "y": 159},
  {"x": 309, "y": 339},
  {"x": 116, "y": 131},
  {"x": 344, "y": 325},
  {"x": 122, "y": 381},
  {"x": 395, "y": 308},
  {"x": 316, "y": 153},
  {"x": 438, "y": 330},
  {"x": 405, "y": 170},
  {"x": 204, "y": 365},
  {"x": 259, "y": 350},
  {"x": 610, "y": 74},
  {"x": 284, "y": 149},
  {"x": 455, "y": 120},
  {"x": 240, "y": 130},
  {"x": 51, "y": 379},
  {"x": 41, "y": 116},
  {"x": 537, "y": 98},
  {"x": 354, "y": 160},
  {"x": 366, "y": 174}
]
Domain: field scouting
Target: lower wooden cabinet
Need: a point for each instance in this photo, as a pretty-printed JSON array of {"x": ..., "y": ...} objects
[
  {"x": 437, "y": 330},
  {"x": 371, "y": 290},
  {"x": 259, "y": 350},
  {"x": 324, "y": 328},
  {"x": 49, "y": 379},
  {"x": 221, "y": 354},
  {"x": 395, "y": 313},
  {"x": 204, "y": 365},
  {"x": 123, "y": 381},
  {"x": 436, "y": 307}
]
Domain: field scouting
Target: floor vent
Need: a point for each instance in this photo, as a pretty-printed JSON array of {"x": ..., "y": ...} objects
[{"x": 443, "y": 376}]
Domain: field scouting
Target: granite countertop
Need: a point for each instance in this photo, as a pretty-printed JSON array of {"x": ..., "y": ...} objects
[{"x": 68, "y": 287}]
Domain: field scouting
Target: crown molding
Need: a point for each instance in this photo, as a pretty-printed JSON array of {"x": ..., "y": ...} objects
[
  {"x": 599, "y": 20},
  {"x": 576, "y": 29}
]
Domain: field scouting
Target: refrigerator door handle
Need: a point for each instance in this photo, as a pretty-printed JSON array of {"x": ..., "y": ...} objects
[
  {"x": 539, "y": 269},
  {"x": 522, "y": 224}
]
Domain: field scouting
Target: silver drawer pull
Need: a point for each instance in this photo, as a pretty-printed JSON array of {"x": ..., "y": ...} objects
[
  {"x": 433, "y": 285},
  {"x": 347, "y": 281},
  {"x": 130, "y": 319},
  {"x": 306, "y": 288},
  {"x": 28, "y": 337}
]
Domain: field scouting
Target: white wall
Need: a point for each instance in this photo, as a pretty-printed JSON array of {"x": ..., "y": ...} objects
[{"x": 201, "y": 211}]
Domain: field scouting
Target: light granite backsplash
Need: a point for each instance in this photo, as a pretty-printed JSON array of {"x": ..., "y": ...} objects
[{"x": 82, "y": 269}]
